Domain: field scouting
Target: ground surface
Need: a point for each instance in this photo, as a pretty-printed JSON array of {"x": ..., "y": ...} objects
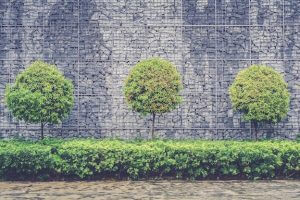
[{"x": 177, "y": 190}]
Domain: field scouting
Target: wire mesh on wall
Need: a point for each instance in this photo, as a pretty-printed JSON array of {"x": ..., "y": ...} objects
[{"x": 96, "y": 42}]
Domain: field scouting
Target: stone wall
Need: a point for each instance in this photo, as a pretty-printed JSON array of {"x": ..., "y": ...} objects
[{"x": 96, "y": 42}]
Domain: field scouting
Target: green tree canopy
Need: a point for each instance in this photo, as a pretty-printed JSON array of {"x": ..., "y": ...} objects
[
  {"x": 40, "y": 94},
  {"x": 261, "y": 94},
  {"x": 153, "y": 87}
]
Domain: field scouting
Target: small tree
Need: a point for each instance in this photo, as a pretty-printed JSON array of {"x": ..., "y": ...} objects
[
  {"x": 261, "y": 94},
  {"x": 153, "y": 87},
  {"x": 40, "y": 94}
]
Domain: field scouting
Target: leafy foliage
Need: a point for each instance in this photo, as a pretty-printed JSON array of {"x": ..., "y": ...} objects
[
  {"x": 40, "y": 94},
  {"x": 96, "y": 159},
  {"x": 153, "y": 86},
  {"x": 261, "y": 94}
]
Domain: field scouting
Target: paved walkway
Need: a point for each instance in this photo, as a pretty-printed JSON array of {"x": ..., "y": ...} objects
[{"x": 176, "y": 190}]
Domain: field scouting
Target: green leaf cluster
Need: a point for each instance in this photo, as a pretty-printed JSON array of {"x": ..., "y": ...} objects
[
  {"x": 261, "y": 94},
  {"x": 40, "y": 94},
  {"x": 97, "y": 159},
  {"x": 153, "y": 86}
]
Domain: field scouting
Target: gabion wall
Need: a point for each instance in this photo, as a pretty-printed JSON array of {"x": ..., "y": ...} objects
[{"x": 96, "y": 42}]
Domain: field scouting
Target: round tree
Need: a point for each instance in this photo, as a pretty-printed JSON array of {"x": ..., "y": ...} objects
[
  {"x": 153, "y": 87},
  {"x": 261, "y": 94},
  {"x": 40, "y": 94}
]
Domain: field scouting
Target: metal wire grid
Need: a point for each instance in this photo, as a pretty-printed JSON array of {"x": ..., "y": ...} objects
[{"x": 173, "y": 16}]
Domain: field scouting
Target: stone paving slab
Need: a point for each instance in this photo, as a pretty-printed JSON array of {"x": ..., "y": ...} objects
[{"x": 176, "y": 190}]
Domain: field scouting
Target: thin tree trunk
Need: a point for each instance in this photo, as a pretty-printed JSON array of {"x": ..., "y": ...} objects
[
  {"x": 251, "y": 129},
  {"x": 42, "y": 130},
  {"x": 255, "y": 127},
  {"x": 153, "y": 125}
]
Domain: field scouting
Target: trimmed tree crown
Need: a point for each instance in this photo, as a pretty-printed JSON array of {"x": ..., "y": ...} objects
[
  {"x": 40, "y": 94},
  {"x": 153, "y": 86},
  {"x": 261, "y": 94}
]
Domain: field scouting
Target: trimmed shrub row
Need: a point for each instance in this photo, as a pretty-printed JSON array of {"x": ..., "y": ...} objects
[{"x": 97, "y": 159}]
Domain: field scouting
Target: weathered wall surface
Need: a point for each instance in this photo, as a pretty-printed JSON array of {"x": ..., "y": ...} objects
[{"x": 96, "y": 42}]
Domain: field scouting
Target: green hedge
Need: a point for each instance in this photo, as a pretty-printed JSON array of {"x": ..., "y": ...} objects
[{"x": 97, "y": 159}]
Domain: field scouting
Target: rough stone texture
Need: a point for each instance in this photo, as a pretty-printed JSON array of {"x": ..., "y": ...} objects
[
  {"x": 96, "y": 42},
  {"x": 158, "y": 189}
]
